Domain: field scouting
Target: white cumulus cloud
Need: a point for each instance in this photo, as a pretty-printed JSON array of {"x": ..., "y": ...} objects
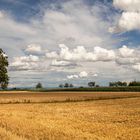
[
  {"x": 25, "y": 63},
  {"x": 127, "y": 5},
  {"x": 81, "y": 54},
  {"x": 72, "y": 76},
  {"x": 83, "y": 74},
  {"x": 130, "y": 16},
  {"x": 126, "y": 52}
]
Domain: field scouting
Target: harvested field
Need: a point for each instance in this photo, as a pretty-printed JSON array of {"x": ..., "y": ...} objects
[
  {"x": 94, "y": 120},
  {"x": 45, "y": 97}
]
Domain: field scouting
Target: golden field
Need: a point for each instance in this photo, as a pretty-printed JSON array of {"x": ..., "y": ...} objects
[
  {"x": 113, "y": 119},
  {"x": 16, "y": 97}
]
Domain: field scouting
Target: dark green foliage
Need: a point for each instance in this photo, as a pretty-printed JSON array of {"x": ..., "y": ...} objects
[
  {"x": 134, "y": 83},
  {"x": 117, "y": 84},
  {"x": 39, "y": 86},
  {"x": 61, "y": 86},
  {"x": 71, "y": 85},
  {"x": 3, "y": 70},
  {"x": 91, "y": 84},
  {"x": 66, "y": 85}
]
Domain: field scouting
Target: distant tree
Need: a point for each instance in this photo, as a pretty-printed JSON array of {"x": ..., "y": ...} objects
[
  {"x": 117, "y": 84},
  {"x": 111, "y": 84},
  {"x": 61, "y": 86},
  {"x": 134, "y": 83},
  {"x": 39, "y": 85},
  {"x": 66, "y": 85},
  {"x": 14, "y": 88},
  {"x": 71, "y": 86},
  {"x": 3, "y": 70},
  {"x": 91, "y": 84},
  {"x": 125, "y": 84}
]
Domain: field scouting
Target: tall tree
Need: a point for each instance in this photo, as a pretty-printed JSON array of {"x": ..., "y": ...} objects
[{"x": 3, "y": 70}]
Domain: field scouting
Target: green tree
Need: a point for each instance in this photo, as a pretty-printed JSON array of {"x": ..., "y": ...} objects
[
  {"x": 66, "y": 85},
  {"x": 117, "y": 84},
  {"x": 71, "y": 85},
  {"x": 134, "y": 83},
  {"x": 39, "y": 85},
  {"x": 61, "y": 85},
  {"x": 124, "y": 84},
  {"x": 91, "y": 84},
  {"x": 3, "y": 70}
]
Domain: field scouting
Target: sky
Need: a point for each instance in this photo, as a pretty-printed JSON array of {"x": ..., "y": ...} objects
[{"x": 74, "y": 41}]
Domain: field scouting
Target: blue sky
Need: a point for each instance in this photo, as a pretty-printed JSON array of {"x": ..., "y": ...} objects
[{"x": 54, "y": 42}]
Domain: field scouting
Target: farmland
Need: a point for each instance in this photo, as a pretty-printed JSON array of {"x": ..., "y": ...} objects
[
  {"x": 69, "y": 115},
  {"x": 61, "y": 96}
]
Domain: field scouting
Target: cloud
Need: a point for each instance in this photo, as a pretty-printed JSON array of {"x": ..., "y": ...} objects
[
  {"x": 9, "y": 26},
  {"x": 95, "y": 75},
  {"x": 106, "y": 70},
  {"x": 127, "y": 5},
  {"x": 130, "y": 17},
  {"x": 136, "y": 67},
  {"x": 34, "y": 49},
  {"x": 74, "y": 23},
  {"x": 60, "y": 63},
  {"x": 126, "y": 52},
  {"x": 127, "y": 22},
  {"x": 72, "y": 76},
  {"x": 81, "y": 54},
  {"x": 52, "y": 55},
  {"x": 25, "y": 63},
  {"x": 83, "y": 74},
  {"x": 127, "y": 60},
  {"x": 1, "y": 14},
  {"x": 72, "y": 58},
  {"x": 127, "y": 56},
  {"x": 83, "y": 25}
]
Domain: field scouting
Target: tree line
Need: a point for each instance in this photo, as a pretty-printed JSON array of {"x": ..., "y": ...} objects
[
  {"x": 111, "y": 84},
  {"x": 93, "y": 84},
  {"x": 124, "y": 84}
]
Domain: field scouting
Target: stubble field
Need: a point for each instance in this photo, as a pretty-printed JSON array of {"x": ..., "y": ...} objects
[{"x": 112, "y": 118}]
